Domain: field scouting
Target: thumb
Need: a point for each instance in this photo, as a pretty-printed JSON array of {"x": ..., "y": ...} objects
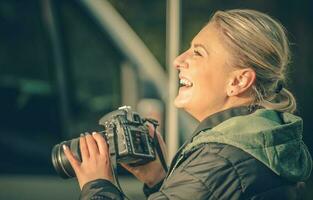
[
  {"x": 127, "y": 167},
  {"x": 134, "y": 170}
]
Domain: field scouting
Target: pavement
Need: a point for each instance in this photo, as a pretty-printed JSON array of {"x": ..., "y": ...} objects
[{"x": 29, "y": 187}]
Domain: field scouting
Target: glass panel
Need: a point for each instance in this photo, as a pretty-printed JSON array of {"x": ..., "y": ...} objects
[
  {"x": 29, "y": 119},
  {"x": 94, "y": 68}
]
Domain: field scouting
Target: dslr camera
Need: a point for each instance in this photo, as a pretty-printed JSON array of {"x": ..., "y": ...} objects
[{"x": 126, "y": 134}]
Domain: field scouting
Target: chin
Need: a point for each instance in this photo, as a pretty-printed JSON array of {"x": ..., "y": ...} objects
[{"x": 178, "y": 103}]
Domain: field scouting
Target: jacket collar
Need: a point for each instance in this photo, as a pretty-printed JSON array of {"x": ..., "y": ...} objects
[
  {"x": 210, "y": 122},
  {"x": 221, "y": 116}
]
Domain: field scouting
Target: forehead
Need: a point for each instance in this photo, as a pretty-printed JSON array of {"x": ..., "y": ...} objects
[
  {"x": 208, "y": 34},
  {"x": 210, "y": 37}
]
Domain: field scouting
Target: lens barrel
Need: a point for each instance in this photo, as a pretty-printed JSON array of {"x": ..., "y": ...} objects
[{"x": 60, "y": 163}]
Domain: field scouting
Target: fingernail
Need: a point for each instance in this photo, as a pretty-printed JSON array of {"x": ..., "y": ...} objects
[
  {"x": 82, "y": 135},
  {"x": 64, "y": 147},
  {"x": 94, "y": 133},
  {"x": 86, "y": 133}
]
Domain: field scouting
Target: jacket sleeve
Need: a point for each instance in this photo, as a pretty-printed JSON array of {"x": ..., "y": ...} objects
[
  {"x": 149, "y": 190},
  {"x": 203, "y": 175},
  {"x": 100, "y": 189}
]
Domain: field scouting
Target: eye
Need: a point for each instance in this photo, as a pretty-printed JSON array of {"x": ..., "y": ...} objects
[{"x": 196, "y": 52}]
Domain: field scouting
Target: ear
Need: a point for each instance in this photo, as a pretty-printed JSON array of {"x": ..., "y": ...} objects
[{"x": 240, "y": 81}]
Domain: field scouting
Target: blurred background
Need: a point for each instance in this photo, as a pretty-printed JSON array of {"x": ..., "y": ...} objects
[{"x": 64, "y": 64}]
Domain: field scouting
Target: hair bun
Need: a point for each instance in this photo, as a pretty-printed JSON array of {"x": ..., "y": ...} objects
[{"x": 279, "y": 86}]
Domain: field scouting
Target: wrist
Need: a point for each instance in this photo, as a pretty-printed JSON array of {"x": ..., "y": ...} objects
[
  {"x": 157, "y": 179},
  {"x": 149, "y": 190}
]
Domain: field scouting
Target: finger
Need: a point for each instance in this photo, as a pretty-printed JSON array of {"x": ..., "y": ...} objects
[
  {"x": 151, "y": 129},
  {"x": 69, "y": 155},
  {"x": 92, "y": 145},
  {"x": 160, "y": 139},
  {"x": 102, "y": 144},
  {"x": 83, "y": 147}
]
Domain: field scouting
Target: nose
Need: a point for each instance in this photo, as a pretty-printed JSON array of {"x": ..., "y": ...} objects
[{"x": 180, "y": 61}]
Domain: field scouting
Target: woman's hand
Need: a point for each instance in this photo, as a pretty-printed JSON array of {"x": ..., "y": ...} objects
[
  {"x": 95, "y": 159},
  {"x": 152, "y": 172}
]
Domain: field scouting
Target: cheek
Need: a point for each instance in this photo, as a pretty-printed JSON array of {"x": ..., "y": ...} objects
[{"x": 212, "y": 83}]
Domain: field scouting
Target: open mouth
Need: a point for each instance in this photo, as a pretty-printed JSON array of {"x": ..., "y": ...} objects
[{"x": 185, "y": 83}]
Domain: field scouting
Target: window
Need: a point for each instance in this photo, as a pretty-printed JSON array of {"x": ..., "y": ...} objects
[{"x": 31, "y": 110}]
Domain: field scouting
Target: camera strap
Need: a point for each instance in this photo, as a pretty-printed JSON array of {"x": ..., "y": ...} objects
[
  {"x": 113, "y": 162},
  {"x": 157, "y": 144},
  {"x": 113, "y": 157}
]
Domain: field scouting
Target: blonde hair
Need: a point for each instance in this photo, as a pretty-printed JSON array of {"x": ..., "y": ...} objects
[{"x": 258, "y": 41}]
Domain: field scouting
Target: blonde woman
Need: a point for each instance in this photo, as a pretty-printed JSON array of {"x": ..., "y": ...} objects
[{"x": 248, "y": 144}]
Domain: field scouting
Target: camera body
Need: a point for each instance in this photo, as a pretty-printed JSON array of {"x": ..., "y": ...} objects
[
  {"x": 125, "y": 132},
  {"x": 132, "y": 143}
]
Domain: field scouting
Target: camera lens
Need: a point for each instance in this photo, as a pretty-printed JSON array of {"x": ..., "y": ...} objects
[{"x": 60, "y": 163}]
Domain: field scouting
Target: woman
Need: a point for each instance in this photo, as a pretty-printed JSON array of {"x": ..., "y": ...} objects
[{"x": 248, "y": 144}]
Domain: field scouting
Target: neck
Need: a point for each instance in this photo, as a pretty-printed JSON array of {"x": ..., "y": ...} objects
[{"x": 231, "y": 102}]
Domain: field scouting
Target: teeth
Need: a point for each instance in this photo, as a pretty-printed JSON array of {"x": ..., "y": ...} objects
[{"x": 185, "y": 82}]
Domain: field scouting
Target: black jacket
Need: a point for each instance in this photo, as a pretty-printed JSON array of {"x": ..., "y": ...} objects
[{"x": 210, "y": 171}]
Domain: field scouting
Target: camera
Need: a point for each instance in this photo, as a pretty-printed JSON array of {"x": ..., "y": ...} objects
[{"x": 126, "y": 134}]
